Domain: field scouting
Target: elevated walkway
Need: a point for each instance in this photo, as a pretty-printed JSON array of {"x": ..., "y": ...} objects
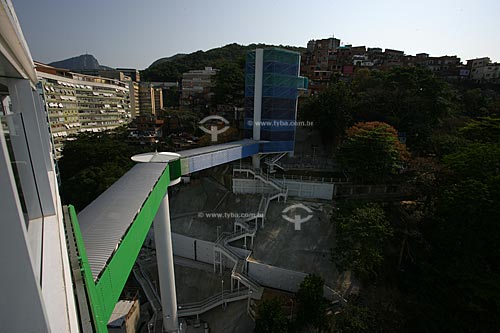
[
  {"x": 114, "y": 227},
  {"x": 106, "y": 220},
  {"x": 110, "y": 231},
  {"x": 197, "y": 159}
]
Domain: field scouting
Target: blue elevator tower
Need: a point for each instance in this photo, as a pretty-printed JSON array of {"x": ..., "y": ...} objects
[{"x": 272, "y": 84}]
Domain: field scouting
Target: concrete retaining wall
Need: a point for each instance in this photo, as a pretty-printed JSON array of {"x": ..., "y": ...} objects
[
  {"x": 275, "y": 277},
  {"x": 283, "y": 279}
]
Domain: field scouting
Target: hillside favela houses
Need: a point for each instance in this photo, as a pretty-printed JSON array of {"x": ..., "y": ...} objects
[{"x": 327, "y": 58}]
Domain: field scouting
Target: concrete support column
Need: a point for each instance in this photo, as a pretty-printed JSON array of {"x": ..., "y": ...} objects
[
  {"x": 256, "y": 161},
  {"x": 257, "y": 101},
  {"x": 165, "y": 261}
]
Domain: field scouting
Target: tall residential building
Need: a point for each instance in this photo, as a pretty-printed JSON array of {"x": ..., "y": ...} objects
[
  {"x": 197, "y": 86},
  {"x": 158, "y": 95},
  {"x": 129, "y": 75},
  {"x": 272, "y": 82},
  {"x": 80, "y": 103},
  {"x": 150, "y": 99},
  {"x": 134, "y": 78},
  {"x": 135, "y": 109},
  {"x": 132, "y": 73}
]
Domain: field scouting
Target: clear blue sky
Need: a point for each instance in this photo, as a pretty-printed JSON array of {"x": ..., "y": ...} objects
[{"x": 134, "y": 33}]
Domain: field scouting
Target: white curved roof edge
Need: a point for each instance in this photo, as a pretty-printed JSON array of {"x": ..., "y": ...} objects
[
  {"x": 15, "y": 49},
  {"x": 156, "y": 157}
]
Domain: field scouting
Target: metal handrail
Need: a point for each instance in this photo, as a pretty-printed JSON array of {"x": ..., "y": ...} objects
[{"x": 191, "y": 309}]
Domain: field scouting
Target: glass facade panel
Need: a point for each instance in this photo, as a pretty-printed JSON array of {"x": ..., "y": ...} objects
[{"x": 280, "y": 84}]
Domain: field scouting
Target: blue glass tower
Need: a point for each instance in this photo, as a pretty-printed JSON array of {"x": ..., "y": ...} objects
[{"x": 272, "y": 82}]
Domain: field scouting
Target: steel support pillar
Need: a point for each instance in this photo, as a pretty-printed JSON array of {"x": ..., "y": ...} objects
[
  {"x": 165, "y": 261},
  {"x": 257, "y": 102}
]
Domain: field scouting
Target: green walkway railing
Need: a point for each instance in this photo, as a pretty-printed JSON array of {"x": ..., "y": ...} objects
[{"x": 104, "y": 294}]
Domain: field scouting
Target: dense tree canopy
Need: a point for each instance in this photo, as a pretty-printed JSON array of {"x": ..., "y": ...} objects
[
  {"x": 271, "y": 317},
  {"x": 372, "y": 152},
  {"x": 355, "y": 318},
  {"x": 361, "y": 238},
  {"x": 311, "y": 305},
  {"x": 486, "y": 129},
  {"x": 439, "y": 256},
  {"x": 92, "y": 163},
  {"x": 412, "y": 100},
  {"x": 331, "y": 111},
  {"x": 229, "y": 84},
  {"x": 171, "y": 69}
]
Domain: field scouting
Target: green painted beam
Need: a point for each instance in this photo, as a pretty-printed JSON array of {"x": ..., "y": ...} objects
[
  {"x": 114, "y": 276},
  {"x": 95, "y": 304},
  {"x": 104, "y": 295}
]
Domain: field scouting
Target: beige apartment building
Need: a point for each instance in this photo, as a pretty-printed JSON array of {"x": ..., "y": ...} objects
[
  {"x": 82, "y": 103},
  {"x": 150, "y": 99}
]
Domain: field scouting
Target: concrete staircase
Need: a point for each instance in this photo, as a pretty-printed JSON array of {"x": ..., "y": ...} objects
[
  {"x": 238, "y": 272},
  {"x": 242, "y": 285},
  {"x": 197, "y": 308},
  {"x": 280, "y": 191},
  {"x": 273, "y": 160},
  {"x": 246, "y": 228}
]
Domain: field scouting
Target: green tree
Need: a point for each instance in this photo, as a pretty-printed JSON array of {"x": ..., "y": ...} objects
[
  {"x": 91, "y": 163},
  {"x": 172, "y": 97},
  {"x": 454, "y": 287},
  {"x": 170, "y": 69},
  {"x": 229, "y": 84},
  {"x": 475, "y": 103},
  {"x": 270, "y": 317},
  {"x": 311, "y": 306},
  {"x": 484, "y": 129},
  {"x": 354, "y": 318},
  {"x": 412, "y": 100},
  {"x": 361, "y": 239},
  {"x": 372, "y": 151},
  {"x": 331, "y": 111}
]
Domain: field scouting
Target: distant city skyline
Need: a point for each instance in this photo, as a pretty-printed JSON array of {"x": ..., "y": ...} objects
[{"x": 134, "y": 34}]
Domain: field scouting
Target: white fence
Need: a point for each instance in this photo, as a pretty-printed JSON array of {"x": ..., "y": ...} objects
[
  {"x": 199, "y": 250},
  {"x": 296, "y": 188},
  {"x": 283, "y": 279},
  {"x": 265, "y": 275},
  {"x": 194, "y": 249},
  {"x": 275, "y": 277}
]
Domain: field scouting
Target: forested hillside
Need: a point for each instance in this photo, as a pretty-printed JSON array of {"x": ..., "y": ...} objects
[{"x": 170, "y": 69}]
